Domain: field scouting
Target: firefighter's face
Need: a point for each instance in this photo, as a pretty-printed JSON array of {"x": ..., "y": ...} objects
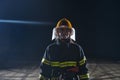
[{"x": 63, "y": 32}]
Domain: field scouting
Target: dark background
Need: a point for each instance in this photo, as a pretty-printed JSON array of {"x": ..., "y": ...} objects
[{"x": 95, "y": 21}]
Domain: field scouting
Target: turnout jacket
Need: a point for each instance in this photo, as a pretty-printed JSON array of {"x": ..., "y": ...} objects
[{"x": 63, "y": 58}]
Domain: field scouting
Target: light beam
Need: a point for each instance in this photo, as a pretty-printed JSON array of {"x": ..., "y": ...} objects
[{"x": 25, "y": 22}]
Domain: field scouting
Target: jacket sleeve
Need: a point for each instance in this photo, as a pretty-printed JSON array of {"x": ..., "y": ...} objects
[
  {"x": 45, "y": 67},
  {"x": 83, "y": 71}
]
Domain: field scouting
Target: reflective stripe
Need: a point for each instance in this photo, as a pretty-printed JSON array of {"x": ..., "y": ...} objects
[
  {"x": 84, "y": 76},
  {"x": 63, "y": 64},
  {"x": 45, "y": 61},
  {"x": 55, "y": 64},
  {"x": 59, "y": 64},
  {"x": 68, "y": 63},
  {"x": 41, "y": 77},
  {"x": 82, "y": 61}
]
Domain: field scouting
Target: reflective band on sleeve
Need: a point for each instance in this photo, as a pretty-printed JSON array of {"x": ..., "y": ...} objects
[
  {"x": 84, "y": 76},
  {"x": 82, "y": 61},
  {"x": 41, "y": 77},
  {"x": 45, "y": 61}
]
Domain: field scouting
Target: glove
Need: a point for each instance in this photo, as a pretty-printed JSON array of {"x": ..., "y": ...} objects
[{"x": 74, "y": 69}]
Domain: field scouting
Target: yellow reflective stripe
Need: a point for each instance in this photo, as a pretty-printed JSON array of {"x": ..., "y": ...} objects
[
  {"x": 45, "y": 61},
  {"x": 59, "y": 64},
  {"x": 82, "y": 61},
  {"x": 63, "y": 64},
  {"x": 84, "y": 76},
  {"x": 55, "y": 63},
  {"x": 68, "y": 63}
]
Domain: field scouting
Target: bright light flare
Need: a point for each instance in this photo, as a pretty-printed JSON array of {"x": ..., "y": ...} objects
[{"x": 25, "y": 22}]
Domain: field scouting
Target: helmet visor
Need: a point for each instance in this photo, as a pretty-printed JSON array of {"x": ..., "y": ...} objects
[{"x": 63, "y": 33}]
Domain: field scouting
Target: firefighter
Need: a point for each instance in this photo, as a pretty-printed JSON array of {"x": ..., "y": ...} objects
[{"x": 64, "y": 59}]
